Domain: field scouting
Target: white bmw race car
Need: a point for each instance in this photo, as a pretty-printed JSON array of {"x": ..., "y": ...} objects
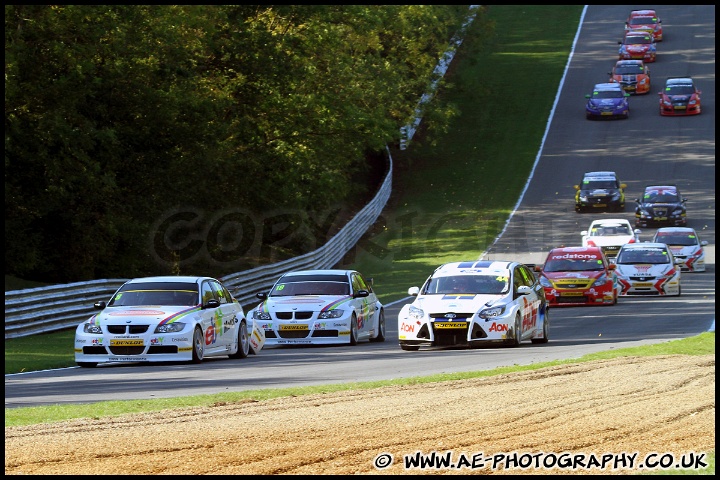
[
  {"x": 685, "y": 245},
  {"x": 610, "y": 234},
  {"x": 320, "y": 307},
  {"x": 648, "y": 269},
  {"x": 474, "y": 303},
  {"x": 164, "y": 319}
]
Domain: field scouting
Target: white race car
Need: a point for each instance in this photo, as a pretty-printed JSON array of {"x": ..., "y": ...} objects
[
  {"x": 320, "y": 307},
  {"x": 474, "y": 303},
  {"x": 647, "y": 269},
  {"x": 610, "y": 234},
  {"x": 685, "y": 245},
  {"x": 163, "y": 319}
]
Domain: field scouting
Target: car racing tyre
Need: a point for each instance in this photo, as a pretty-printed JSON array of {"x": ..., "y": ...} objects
[
  {"x": 87, "y": 364},
  {"x": 198, "y": 346},
  {"x": 515, "y": 341},
  {"x": 410, "y": 348},
  {"x": 546, "y": 328},
  {"x": 243, "y": 341},
  {"x": 353, "y": 330},
  {"x": 381, "y": 328}
]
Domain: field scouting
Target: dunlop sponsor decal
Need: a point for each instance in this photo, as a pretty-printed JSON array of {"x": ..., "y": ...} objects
[
  {"x": 126, "y": 343},
  {"x": 440, "y": 325},
  {"x": 293, "y": 327}
]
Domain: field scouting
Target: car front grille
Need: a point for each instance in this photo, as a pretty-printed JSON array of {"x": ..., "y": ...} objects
[
  {"x": 295, "y": 315},
  {"x": 125, "y": 329}
]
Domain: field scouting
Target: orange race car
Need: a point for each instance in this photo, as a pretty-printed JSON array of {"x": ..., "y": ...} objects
[{"x": 633, "y": 75}]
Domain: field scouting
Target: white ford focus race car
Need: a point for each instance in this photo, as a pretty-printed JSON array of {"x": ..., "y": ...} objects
[
  {"x": 685, "y": 245},
  {"x": 320, "y": 307},
  {"x": 474, "y": 303},
  {"x": 647, "y": 269},
  {"x": 164, "y": 319}
]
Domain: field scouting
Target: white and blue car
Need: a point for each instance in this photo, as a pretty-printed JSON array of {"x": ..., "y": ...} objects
[
  {"x": 320, "y": 307},
  {"x": 469, "y": 304},
  {"x": 166, "y": 319}
]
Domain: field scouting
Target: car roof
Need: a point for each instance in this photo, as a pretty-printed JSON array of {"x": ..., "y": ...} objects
[
  {"x": 643, "y": 13},
  {"x": 170, "y": 279},
  {"x": 676, "y": 229},
  {"x": 603, "y": 174},
  {"x": 480, "y": 267},
  {"x": 679, "y": 81},
  {"x": 588, "y": 249},
  {"x": 661, "y": 187},
  {"x": 329, "y": 271},
  {"x": 637, "y": 33},
  {"x": 607, "y": 86},
  {"x": 629, "y": 62},
  {"x": 643, "y": 245},
  {"x": 610, "y": 221}
]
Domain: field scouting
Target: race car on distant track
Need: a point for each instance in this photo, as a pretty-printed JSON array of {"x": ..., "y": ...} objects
[
  {"x": 320, "y": 307},
  {"x": 661, "y": 206},
  {"x": 599, "y": 191},
  {"x": 633, "y": 75},
  {"x": 163, "y": 319},
  {"x": 608, "y": 100},
  {"x": 474, "y": 303},
  {"x": 685, "y": 245},
  {"x": 578, "y": 276},
  {"x": 648, "y": 269},
  {"x": 609, "y": 234},
  {"x": 680, "y": 97},
  {"x": 645, "y": 21},
  {"x": 637, "y": 46}
]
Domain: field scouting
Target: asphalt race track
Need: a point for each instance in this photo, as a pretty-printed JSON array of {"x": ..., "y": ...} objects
[{"x": 644, "y": 149}]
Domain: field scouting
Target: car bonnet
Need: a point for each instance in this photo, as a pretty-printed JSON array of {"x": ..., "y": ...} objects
[
  {"x": 457, "y": 302},
  {"x": 143, "y": 314}
]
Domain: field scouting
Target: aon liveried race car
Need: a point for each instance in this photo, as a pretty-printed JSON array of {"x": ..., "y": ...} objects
[
  {"x": 579, "y": 276},
  {"x": 472, "y": 303}
]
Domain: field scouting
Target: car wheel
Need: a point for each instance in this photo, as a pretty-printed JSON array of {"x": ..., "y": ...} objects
[
  {"x": 87, "y": 364},
  {"x": 198, "y": 346},
  {"x": 243, "y": 341},
  {"x": 679, "y": 290},
  {"x": 353, "y": 330},
  {"x": 546, "y": 327},
  {"x": 410, "y": 348},
  {"x": 381, "y": 328},
  {"x": 515, "y": 341}
]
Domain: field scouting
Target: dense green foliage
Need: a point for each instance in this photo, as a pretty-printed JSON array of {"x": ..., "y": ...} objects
[{"x": 144, "y": 139}]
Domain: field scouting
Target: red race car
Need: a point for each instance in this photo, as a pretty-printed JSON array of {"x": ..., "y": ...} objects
[
  {"x": 680, "y": 97},
  {"x": 637, "y": 46},
  {"x": 645, "y": 21},
  {"x": 578, "y": 276}
]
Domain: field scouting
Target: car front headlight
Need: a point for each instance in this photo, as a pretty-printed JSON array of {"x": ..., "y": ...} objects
[
  {"x": 260, "y": 315},
  {"x": 492, "y": 312},
  {"x": 170, "y": 327},
  {"x": 92, "y": 328},
  {"x": 545, "y": 282},
  {"x": 337, "y": 313},
  {"x": 615, "y": 196},
  {"x": 583, "y": 197},
  {"x": 643, "y": 213},
  {"x": 601, "y": 280},
  {"x": 416, "y": 313}
]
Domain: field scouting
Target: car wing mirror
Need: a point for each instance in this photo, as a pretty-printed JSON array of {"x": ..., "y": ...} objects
[
  {"x": 212, "y": 303},
  {"x": 101, "y": 304},
  {"x": 413, "y": 291},
  {"x": 361, "y": 293},
  {"x": 577, "y": 187},
  {"x": 261, "y": 295}
]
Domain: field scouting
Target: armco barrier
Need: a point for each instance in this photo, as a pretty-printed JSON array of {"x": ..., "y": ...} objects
[{"x": 58, "y": 307}]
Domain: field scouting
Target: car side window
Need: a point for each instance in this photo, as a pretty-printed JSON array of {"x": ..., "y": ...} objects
[
  {"x": 358, "y": 283},
  {"x": 208, "y": 293},
  {"x": 221, "y": 293},
  {"x": 528, "y": 276}
]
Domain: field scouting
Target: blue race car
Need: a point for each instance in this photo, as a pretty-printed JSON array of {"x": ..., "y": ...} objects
[{"x": 608, "y": 100}]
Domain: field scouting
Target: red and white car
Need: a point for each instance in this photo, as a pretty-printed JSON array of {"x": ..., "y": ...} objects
[
  {"x": 638, "y": 46},
  {"x": 578, "y": 276},
  {"x": 645, "y": 21},
  {"x": 685, "y": 245},
  {"x": 610, "y": 234},
  {"x": 648, "y": 269}
]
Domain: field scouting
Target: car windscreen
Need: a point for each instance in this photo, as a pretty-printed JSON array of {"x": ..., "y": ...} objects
[
  {"x": 294, "y": 286},
  {"x": 637, "y": 40},
  {"x": 679, "y": 90},
  {"x": 599, "y": 184},
  {"x": 468, "y": 284},
  {"x": 655, "y": 256},
  {"x": 661, "y": 198},
  {"x": 553, "y": 265},
  {"x": 608, "y": 94},
  {"x": 629, "y": 70},
  {"x": 675, "y": 239},
  {"x": 156, "y": 293},
  {"x": 643, "y": 21}
]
